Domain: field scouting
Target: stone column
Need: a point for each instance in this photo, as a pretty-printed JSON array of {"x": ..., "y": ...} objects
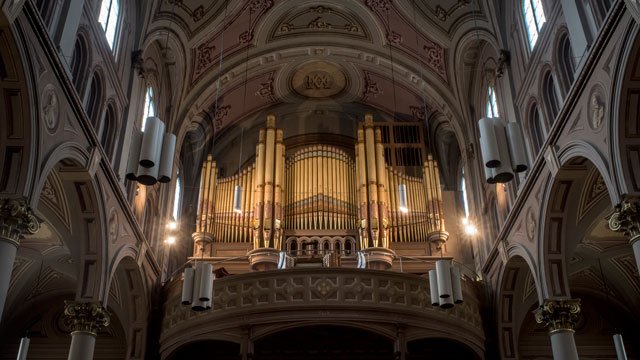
[
  {"x": 626, "y": 219},
  {"x": 16, "y": 221},
  {"x": 559, "y": 317},
  {"x": 246, "y": 346},
  {"x": 85, "y": 319}
]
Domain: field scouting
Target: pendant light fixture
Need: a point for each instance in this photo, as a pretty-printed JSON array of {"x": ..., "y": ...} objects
[
  {"x": 618, "y": 343},
  {"x": 24, "y": 347},
  {"x": 152, "y": 151}
]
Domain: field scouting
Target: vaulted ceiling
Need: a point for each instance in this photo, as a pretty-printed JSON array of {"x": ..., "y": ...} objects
[{"x": 317, "y": 63}]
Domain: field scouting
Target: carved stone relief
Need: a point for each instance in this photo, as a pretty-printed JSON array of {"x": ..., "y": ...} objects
[
  {"x": 317, "y": 19},
  {"x": 50, "y": 110},
  {"x": 113, "y": 226},
  {"x": 531, "y": 225},
  {"x": 597, "y": 108},
  {"x": 318, "y": 79}
]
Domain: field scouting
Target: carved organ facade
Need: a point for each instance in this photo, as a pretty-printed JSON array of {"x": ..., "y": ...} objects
[{"x": 321, "y": 198}]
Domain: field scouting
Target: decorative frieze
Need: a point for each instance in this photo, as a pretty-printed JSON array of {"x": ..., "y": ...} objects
[
  {"x": 16, "y": 220},
  {"x": 558, "y": 314},
  {"x": 87, "y": 317}
]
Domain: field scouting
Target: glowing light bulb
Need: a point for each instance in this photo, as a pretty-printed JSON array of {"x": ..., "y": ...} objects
[
  {"x": 171, "y": 240},
  {"x": 470, "y": 229},
  {"x": 172, "y": 225}
]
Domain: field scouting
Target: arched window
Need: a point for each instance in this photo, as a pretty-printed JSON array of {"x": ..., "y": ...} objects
[
  {"x": 465, "y": 199},
  {"x": 149, "y": 106},
  {"x": 177, "y": 197},
  {"x": 79, "y": 62},
  {"x": 537, "y": 128},
  {"x": 534, "y": 19},
  {"x": 109, "y": 12},
  {"x": 94, "y": 98},
  {"x": 551, "y": 96},
  {"x": 492, "y": 103},
  {"x": 108, "y": 138},
  {"x": 565, "y": 61}
]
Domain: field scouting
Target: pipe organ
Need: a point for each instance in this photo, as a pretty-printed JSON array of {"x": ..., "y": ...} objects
[{"x": 318, "y": 189}]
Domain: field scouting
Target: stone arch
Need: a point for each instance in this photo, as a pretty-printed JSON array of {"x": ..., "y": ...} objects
[
  {"x": 127, "y": 298},
  {"x": 564, "y": 59},
  {"x": 549, "y": 91},
  {"x": 87, "y": 238},
  {"x": 515, "y": 297},
  {"x": 562, "y": 188},
  {"x": 80, "y": 59},
  {"x": 623, "y": 132},
  {"x": 19, "y": 149},
  {"x": 369, "y": 327},
  {"x": 220, "y": 349}
]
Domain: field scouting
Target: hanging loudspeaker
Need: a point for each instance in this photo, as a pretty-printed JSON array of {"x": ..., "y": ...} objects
[
  {"x": 187, "y": 286},
  {"x": 516, "y": 147},
  {"x": 166, "y": 159},
  {"x": 237, "y": 200},
  {"x": 433, "y": 288},
  {"x": 619, "y": 344},
  {"x": 444, "y": 278},
  {"x": 446, "y": 303},
  {"x": 197, "y": 304},
  {"x": 456, "y": 285},
  {"x": 503, "y": 172},
  {"x": 147, "y": 176},
  {"x": 206, "y": 283},
  {"x": 489, "y": 143},
  {"x": 151, "y": 142},
  {"x": 402, "y": 198},
  {"x": 24, "y": 348},
  {"x": 134, "y": 153}
]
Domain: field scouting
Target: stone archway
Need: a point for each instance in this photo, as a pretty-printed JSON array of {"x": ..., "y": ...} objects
[{"x": 320, "y": 342}]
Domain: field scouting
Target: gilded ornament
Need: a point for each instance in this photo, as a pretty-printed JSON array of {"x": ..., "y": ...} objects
[
  {"x": 16, "y": 220},
  {"x": 626, "y": 218},
  {"x": 558, "y": 315},
  {"x": 85, "y": 317}
]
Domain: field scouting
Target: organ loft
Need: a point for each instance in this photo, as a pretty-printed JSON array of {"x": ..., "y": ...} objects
[{"x": 319, "y": 179}]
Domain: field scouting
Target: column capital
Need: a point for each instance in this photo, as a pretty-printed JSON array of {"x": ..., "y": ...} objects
[
  {"x": 558, "y": 314},
  {"x": 626, "y": 218},
  {"x": 87, "y": 317},
  {"x": 16, "y": 220}
]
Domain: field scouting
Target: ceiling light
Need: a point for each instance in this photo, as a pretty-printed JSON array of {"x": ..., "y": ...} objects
[{"x": 171, "y": 240}]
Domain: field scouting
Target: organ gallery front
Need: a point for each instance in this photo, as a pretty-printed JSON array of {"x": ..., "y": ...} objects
[{"x": 320, "y": 199}]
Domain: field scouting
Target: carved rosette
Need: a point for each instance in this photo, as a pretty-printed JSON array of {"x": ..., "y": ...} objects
[
  {"x": 16, "y": 220},
  {"x": 626, "y": 218},
  {"x": 558, "y": 315},
  {"x": 85, "y": 317}
]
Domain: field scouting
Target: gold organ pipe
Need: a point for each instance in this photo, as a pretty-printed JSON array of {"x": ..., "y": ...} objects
[
  {"x": 268, "y": 181},
  {"x": 259, "y": 190},
  {"x": 392, "y": 206},
  {"x": 200, "y": 227},
  {"x": 372, "y": 181},
  {"x": 414, "y": 205},
  {"x": 279, "y": 179},
  {"x": 362, "y": 185},
  {"x": 382, "y": 186}
]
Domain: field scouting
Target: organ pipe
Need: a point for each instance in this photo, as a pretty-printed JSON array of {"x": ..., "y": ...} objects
[{"x": 318, "y": 187}]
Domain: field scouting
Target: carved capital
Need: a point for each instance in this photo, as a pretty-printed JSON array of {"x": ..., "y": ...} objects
[
  {"x": 85, "y": 317},
  {"x": 558, "y": 315},
  {"x": 626, "y": 218},
  {"x": 16, "y": 220}
]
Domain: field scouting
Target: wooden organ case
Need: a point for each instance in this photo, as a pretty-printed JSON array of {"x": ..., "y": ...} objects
[{"x": 320, "y": 199}]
